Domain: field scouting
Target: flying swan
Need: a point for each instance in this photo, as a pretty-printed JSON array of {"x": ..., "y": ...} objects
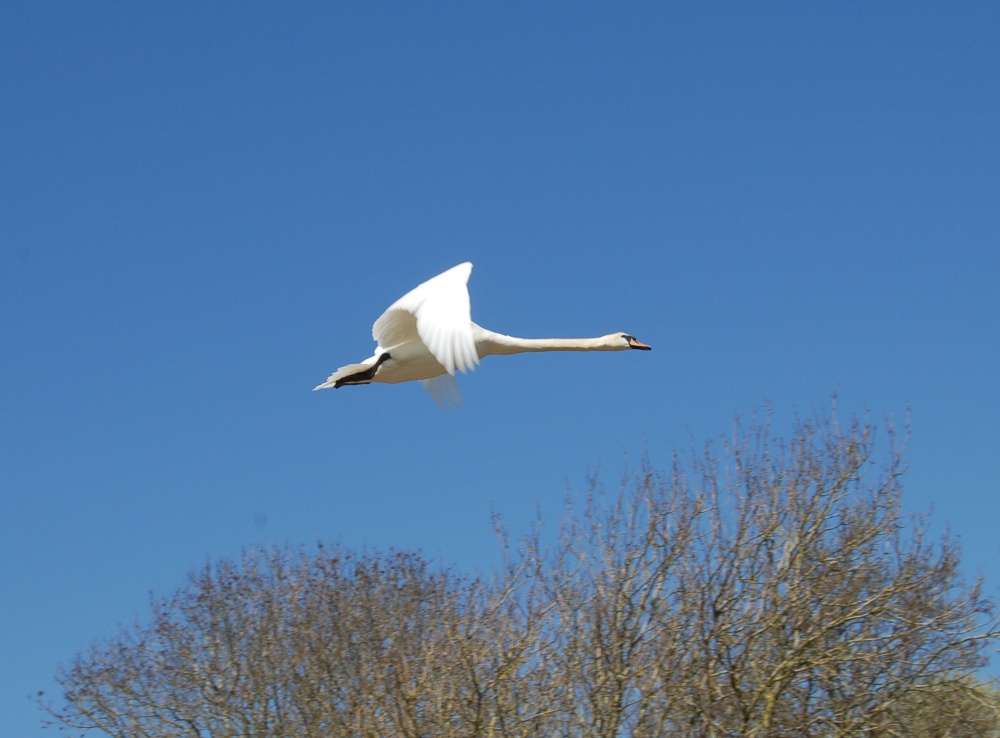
[{"x": 428, "y": 335}]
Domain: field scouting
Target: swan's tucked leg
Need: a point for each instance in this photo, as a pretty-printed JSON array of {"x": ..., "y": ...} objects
[{"x": 353, "y": 374}]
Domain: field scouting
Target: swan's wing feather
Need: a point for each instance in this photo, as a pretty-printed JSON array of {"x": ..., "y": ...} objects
[
  {"x": 443, "y": 390},
  {"x": 439, "y": 312},
  {"x": 395, "y": 326}
]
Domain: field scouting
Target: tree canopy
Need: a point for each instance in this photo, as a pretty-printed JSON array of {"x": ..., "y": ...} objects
[{"x": 762, "y": 587}]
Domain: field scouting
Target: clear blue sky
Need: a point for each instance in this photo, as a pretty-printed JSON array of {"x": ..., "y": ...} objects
[{"x": 205, "y": 206}]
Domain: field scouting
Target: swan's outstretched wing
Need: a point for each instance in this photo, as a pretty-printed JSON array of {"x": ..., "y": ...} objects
[
  {"x": 443, "y": 390},
  {"x": 439, "y": 313}
]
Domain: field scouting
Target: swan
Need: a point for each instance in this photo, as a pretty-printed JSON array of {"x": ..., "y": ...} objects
[{"x": 428, "y": 335}]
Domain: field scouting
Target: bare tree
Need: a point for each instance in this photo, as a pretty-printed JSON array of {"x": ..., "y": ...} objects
[
  {"x": 816, "y": 607},
  {"x": 761, "y": 588},
  {"x": 328, "y": 643}
]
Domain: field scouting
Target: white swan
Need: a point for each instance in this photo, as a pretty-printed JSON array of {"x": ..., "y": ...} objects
[{"x": 428, "y": 335}]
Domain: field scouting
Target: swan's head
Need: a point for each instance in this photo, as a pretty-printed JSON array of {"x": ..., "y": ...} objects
[{"x": 630, "y": 342}]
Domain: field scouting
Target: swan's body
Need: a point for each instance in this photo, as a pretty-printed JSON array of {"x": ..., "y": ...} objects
[{"x": 428, "y": 335}]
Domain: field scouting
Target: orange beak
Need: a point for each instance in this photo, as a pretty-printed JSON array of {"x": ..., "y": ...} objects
[{"x": 638, "y": 345}]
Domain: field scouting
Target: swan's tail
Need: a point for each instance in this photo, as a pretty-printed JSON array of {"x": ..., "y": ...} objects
[{"x": 343, "y": 376}]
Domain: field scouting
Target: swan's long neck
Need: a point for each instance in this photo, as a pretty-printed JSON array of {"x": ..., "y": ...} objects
[{"x": 489, "y": 343}]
